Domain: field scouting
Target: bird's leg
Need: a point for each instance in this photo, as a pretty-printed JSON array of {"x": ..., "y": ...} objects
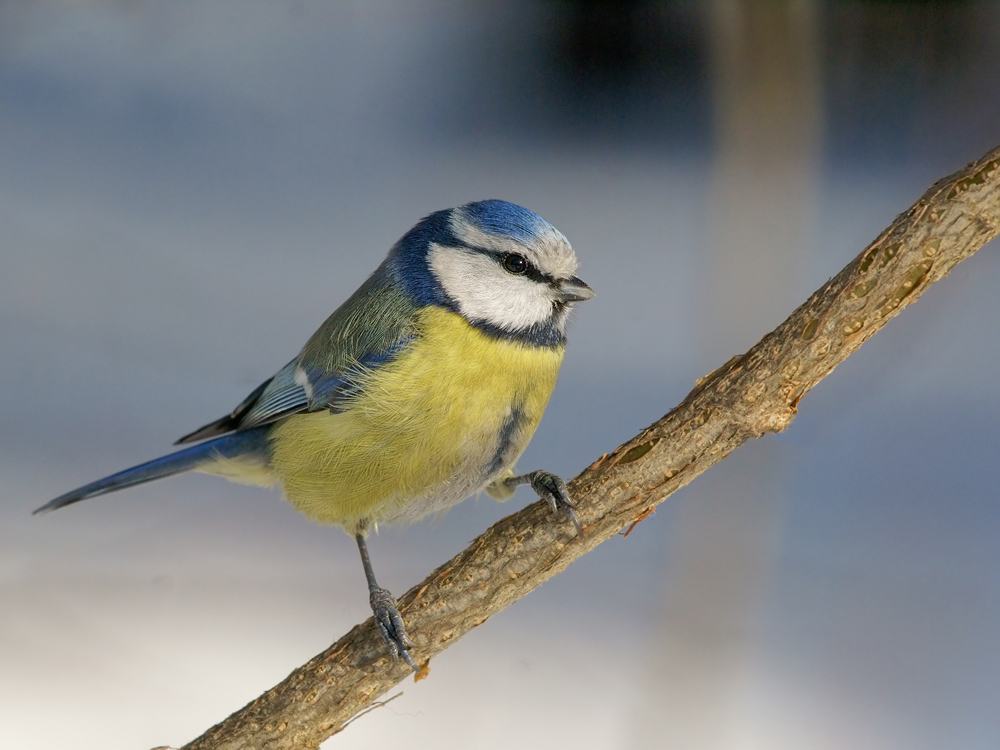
[
  {"x": 553, "y": 490},
  {"x": 387, "y": 616}
]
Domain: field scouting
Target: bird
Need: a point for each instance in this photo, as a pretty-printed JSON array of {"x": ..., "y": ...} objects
[{"x": 424, "y": 387}]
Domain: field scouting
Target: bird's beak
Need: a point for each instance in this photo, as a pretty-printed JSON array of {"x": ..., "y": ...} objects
[{"x": 574, "y": 290}]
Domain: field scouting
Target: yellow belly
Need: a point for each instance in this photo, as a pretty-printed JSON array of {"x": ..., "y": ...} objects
[{"x": 452, "y": 413}]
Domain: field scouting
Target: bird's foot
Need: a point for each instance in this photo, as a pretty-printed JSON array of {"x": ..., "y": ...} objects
[
  {"x": 552, "y": 489},
  {"x": 390, "y": 625}
]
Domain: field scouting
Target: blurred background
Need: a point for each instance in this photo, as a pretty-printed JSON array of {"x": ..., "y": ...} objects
[{"x": 187, "y": 190}]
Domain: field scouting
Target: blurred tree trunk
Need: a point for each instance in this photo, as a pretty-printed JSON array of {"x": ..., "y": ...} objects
[{"x": 766, "y": 87}]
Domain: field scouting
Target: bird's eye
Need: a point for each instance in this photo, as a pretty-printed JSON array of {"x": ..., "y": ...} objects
[{"x": 515, "y": 263}]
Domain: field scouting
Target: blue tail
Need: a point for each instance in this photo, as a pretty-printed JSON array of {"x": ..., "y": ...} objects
[{"x": 247, "y": 442}]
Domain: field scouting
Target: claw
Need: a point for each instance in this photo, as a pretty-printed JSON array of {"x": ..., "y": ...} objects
[
  {"x": 552, "y": 489},
  {"x": 387, "y": 617},
  {"x": 569, "y": 510},
  {"x": 390, "y": 625}
]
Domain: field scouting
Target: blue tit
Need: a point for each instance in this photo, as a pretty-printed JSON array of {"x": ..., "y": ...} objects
[{"x": 423, "y": 388}]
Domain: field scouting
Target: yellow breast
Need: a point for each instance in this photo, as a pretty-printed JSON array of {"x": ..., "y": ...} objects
[{"x": 449, "y": 415}]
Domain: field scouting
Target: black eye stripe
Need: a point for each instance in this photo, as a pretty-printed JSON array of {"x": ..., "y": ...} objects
[{"x": 530, "y": 271}]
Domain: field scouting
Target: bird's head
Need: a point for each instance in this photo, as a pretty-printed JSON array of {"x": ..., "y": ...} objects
[{"x": 503, "y": 268}]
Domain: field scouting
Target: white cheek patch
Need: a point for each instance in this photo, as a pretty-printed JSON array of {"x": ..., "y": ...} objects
[{"x": 484, "y": 292}]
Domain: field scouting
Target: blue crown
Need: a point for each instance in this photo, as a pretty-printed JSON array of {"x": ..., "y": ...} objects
[{"x": 507, "y": 220}]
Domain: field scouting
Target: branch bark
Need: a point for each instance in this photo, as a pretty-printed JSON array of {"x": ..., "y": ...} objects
[{"x": 747, "y": 397}]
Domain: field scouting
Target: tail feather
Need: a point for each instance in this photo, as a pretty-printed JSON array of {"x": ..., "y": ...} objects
[{"x": 229, "y": 446}]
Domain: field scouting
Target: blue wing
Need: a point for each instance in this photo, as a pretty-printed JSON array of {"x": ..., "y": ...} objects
[{"x": 369, "y": 330}]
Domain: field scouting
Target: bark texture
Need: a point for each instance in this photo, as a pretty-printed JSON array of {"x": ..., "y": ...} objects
[{"x": 747, "y": 397}]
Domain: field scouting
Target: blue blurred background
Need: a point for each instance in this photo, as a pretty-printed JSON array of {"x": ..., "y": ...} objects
[{"x": 187, "y": 189}]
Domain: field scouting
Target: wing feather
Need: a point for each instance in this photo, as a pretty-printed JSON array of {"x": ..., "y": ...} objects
[{"x": 369, "y": 330}]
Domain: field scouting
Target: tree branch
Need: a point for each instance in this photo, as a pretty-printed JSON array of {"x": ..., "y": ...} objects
[{"x": 747, "y": 397}]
